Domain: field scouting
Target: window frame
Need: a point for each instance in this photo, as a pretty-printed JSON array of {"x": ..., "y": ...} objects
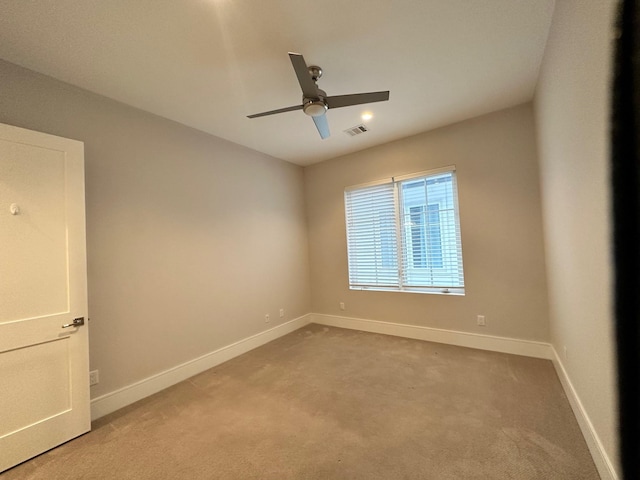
[{"x": 400, "y": 236}]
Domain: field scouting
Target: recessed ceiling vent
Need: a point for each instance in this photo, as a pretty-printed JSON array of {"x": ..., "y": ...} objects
[{"x": 357, "y": 130}]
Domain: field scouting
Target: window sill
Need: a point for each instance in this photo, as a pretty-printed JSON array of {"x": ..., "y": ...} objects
[{"x": 451, "y": 291}]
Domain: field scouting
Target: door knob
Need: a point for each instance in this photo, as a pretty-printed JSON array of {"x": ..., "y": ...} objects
[{"x": 77, "y": 322}]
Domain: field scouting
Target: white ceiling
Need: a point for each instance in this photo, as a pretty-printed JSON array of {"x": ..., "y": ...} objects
[{"x": 210, "y": 63}]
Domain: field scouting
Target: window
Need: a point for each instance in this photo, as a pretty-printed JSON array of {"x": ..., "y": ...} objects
[
  {"x": 429, "y": 240},
  {"x": 403, "y": 234}
]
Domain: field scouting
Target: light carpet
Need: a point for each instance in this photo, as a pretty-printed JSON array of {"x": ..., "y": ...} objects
[{"x": 329, "y": 403}]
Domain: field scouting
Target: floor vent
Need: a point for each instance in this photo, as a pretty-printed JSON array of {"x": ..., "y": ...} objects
[{"x": 357, "y": 130}]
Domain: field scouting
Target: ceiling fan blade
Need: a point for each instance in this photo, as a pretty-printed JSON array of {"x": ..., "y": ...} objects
[
  {"x": 322, "y": 125},
  {"x": 338, "y": 101},
  {"x": 308, "y": 86},
  {"x": 273, "y": 112}
]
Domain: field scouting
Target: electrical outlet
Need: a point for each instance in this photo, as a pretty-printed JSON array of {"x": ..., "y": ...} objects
[
  {"x": 481, "y": 320},
  {"x": 341, "y": 305},
  {"x": 266, "y": 318},
  {"x": 94, "y": 377},
  {"x": 281, "y": 312}
]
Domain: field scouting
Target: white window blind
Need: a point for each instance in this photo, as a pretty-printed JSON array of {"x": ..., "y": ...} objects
[
  {"x": 372, "y": 236},
  {"x": 404, "y": 234}
]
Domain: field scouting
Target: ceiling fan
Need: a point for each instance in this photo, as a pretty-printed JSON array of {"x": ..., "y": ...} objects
[{"x": 315, "y": 102}]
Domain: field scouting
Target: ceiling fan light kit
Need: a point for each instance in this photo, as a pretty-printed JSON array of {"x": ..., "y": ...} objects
[
  {"x": 315, "y": 108},
  {"x": 315, "y": 101}
]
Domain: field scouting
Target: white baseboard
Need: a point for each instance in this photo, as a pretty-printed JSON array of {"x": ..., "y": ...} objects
[
  {"x": 115, "y": 400},
  {"x": 463, "y": 339},
  {"x": 603, "y": 463}
]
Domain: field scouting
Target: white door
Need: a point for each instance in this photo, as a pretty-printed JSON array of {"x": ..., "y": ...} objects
[{"x": 44, "y": 362}]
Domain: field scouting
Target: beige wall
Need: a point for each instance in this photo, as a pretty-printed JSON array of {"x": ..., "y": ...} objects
[
  {"x": 496, "y": 160},
  {"x": 191, "y": 239},
  {"x": 572, "y": 109}
]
